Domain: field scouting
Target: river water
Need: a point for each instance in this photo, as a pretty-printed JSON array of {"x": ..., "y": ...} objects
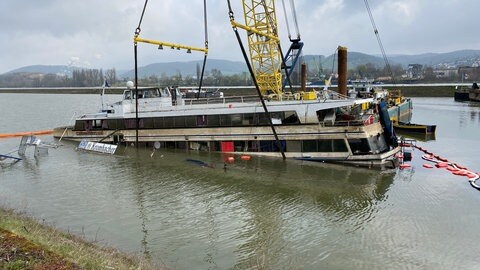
[{"x": 262, "y": 212}]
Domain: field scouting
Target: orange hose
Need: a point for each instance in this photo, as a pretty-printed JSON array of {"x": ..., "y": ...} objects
[{"x": 26, "y": 133}]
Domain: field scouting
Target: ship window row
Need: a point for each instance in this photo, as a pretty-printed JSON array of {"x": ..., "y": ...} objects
[
  {"x": 324, "y": 145},
  {"x": 225, "y": 120}
]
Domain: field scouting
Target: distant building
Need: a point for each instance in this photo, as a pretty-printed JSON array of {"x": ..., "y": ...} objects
[
  {"x": 384, "y": 79},
  {"x": 445, "y": 72},
  {"x": 415, "y": 71},
  {"x": 469, "y": 73}
]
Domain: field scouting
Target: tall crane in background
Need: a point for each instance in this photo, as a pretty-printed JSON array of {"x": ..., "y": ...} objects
[
  {"x": 294, "y": 53},
  {"x": 265, "y": 56},
  {"x": 265, "y": 52}
]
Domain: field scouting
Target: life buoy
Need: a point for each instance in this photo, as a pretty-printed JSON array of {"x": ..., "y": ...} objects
[
  {"x": 442, "y": 165},
  {"x": 460, "y": 172},
  {"x": 452, "y": 169},
  {"x": 404, "y": 166},
  {"x": 471, "y": 175}
]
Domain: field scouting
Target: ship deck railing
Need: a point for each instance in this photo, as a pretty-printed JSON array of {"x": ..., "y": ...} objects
[
  {"x": 365, "y": 120},
  {"x": 222, "y": 100},
  {"x": 330, "y": 95}
]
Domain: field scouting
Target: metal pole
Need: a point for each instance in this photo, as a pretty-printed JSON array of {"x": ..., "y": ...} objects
[
  {"x": 206, "y": 48},
  {"x": 136, "y": 94}
]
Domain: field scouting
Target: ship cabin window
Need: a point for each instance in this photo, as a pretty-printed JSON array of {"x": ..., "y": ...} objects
[
  {"x": 127, "y": 94},
  {"x": 158, "y": 122},
  {"x": 97, "y": 124},
  {"x": 130, "y": 123},
  {"x": 179, "y": 121},
  {"x": 277, "y": 117},
  {"x": 248, "y": 119},
  {"x": 224, "y": 120},
  {"x": 177, "y": 92},
  {"x": 290, "y": 118},
  {"x": 271, "y": 146},
  {"x": 168, "y": 122},
  {"x": 148, "y": 93},
  {"x": 261, "y": 119},
  {"x": 165, "y": 92},
  {"x": 151, "y": 93},
  {"x": 236, "y": 119},
  {"x": 91, "y": 124},
  {"x": 140, "y": 94},
  {"x": 213, "y": 120},
  {"x": 145, "y": 93},
  {"x": 378, "y": 144},
  {"x": 148, "y": 123},
  {"x": 190, "y": 121},
  {"x": 88, "y": 125},
  {"x": 112, "y": 123},
  {"x": 294, "y": 146},
  {"x": 202, "y": 121},
  {"x": 359, "y": 146},
  {"x": 79, "y": 125},
  {"x": 326, "y": 145}
]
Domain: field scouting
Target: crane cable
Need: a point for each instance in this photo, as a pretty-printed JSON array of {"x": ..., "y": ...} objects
[
  {"x": 135, "y": 53},
  {"x": 254, "y": 79},
  {"x": 387, "y": 63},
  {"x": 206, "y": 47},
  {"x": 286, "y": 19},
  {"x": 294, "y": 15},
  {"x": 334, "y": 60},
  {"x": 137, "y": 31}
]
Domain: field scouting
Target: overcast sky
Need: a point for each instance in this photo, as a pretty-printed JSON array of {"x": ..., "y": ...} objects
[{"x": 98, "y": 34}]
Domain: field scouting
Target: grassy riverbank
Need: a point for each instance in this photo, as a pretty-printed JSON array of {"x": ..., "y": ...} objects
[{"x": 26, "y": 243}]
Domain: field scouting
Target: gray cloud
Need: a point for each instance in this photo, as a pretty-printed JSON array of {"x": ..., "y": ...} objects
[{"x": 99, "y": 33}]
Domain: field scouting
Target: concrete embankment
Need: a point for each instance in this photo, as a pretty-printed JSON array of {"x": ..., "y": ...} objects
[{"x": 408, "y": 91}]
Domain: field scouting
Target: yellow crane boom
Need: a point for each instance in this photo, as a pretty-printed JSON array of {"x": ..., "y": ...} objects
[{"x": 266, "y": 59}]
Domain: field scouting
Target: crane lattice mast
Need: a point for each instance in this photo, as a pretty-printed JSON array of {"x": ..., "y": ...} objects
[{"x": 265, "y": 56}]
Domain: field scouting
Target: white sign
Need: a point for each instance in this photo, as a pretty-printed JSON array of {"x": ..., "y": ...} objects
[{"x": 97, "y": 147}]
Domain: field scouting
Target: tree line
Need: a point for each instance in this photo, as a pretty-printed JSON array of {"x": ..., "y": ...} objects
[
  {"x": 214, "y": 77},
  {"x": 79, "y": 78}
]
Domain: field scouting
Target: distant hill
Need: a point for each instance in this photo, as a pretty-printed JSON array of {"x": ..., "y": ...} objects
[
  {"x": 235, "y": 67},
  {"x": 187, "y": 68},
  {"x": 354, "y": 59},
  {"x": 46, "y": 69},
  {"x": 456, "y": 58}
]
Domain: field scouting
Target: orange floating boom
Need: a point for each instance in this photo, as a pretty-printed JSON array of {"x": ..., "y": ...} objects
[{"x": 26, "y": 133}]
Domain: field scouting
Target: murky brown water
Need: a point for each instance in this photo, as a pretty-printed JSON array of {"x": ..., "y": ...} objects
[{"x": 263, "y": 211}]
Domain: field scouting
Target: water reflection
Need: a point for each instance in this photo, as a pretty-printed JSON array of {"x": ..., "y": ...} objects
[
  {"x": 139, "y": 195},
  {"x": 260, "y": 210}
]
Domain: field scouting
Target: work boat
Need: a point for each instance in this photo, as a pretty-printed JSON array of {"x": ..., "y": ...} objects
[{"x": 324, "y": 129}]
